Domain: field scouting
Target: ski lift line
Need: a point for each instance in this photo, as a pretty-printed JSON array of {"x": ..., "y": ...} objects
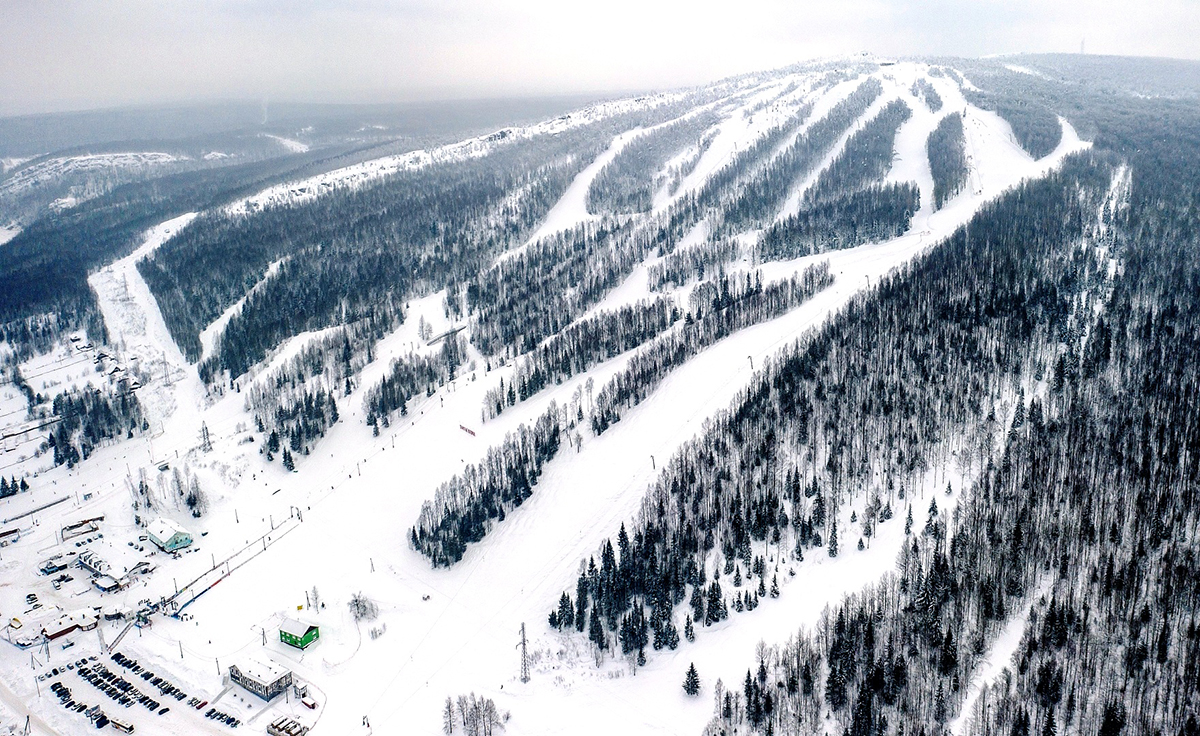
[
  {"x": 43, "y": 507},
  {"x": 10, "y": 382},
  {"x": 27, "y": 430},
  {"x": 260, "y": 540}
]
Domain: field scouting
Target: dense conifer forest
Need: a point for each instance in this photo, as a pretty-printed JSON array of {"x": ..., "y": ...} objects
[
  {"x": 1056, "y": 394},
  {"x": 815, "y": 436},
  {"x": 873, "y": 214},
  {"x": 717, "y": 309},
  {"x": 696, "y": 263},
  {"x": 1035, "y": 126}
]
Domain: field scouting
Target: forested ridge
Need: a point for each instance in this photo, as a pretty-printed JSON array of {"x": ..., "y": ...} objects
[
  {"x": 697, "y": 262},
  {"x": 717, "y": 309},
  {"x": 1086, "y": 516},
  {"x": 848, "y": 205},
  {"x": 1080, "y": 496},
  {"x": 851, "y": 416},
  {"x": 43, "y": 278},
  {"x": 761, "y": 197},
  {"x": 359, "y": 253},
  {"x": 629, "y": 181},
  {"x": 464, "y": 509}
]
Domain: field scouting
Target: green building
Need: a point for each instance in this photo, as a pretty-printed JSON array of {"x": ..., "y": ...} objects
[
  {"x": 168, "y": 535},
  {"x": 297, "y": 634}
]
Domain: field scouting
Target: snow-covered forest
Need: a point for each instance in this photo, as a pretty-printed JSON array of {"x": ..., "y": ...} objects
[{"x": 858, "y": 397}]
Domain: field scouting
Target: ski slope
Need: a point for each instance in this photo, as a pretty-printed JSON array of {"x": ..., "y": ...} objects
[{"x": 453, "y": 631}]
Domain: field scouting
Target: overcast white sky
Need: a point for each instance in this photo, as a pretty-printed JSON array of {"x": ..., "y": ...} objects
[{"x": 72, "y": 54}]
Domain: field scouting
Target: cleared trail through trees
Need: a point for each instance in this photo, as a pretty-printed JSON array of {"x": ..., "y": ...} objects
[
  {"x": 998, "y": 658},
  {"x": 135, "y": 323}
]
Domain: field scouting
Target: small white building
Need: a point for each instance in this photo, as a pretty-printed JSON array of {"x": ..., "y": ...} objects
[
  {"x": 168, "y": 535},
  {"x": 261, "y": 677}
]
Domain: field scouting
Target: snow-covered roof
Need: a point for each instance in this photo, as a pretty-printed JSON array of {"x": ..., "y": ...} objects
[
  {"x": 163, "y": 529},
  {"x": 82, "y": 617},
  {"x": 295, "y": 628},
  {"x": 264, "y": 671}
]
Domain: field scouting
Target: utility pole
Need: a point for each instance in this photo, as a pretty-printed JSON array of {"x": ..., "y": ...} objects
[{"x": 524, "y": 656}]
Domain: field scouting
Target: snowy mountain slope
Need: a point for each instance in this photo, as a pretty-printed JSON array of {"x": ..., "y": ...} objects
[
  {"x": 453, "y": 631},
  {"x": 50, "y": 169},
  {"x": 358, "y": 174}
]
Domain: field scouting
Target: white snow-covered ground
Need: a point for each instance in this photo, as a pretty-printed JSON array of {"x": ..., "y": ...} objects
[
  {"x": 291, "y": 144},
  {"x": 440, "y": 632},
  {"x": 8, "y": 232}
]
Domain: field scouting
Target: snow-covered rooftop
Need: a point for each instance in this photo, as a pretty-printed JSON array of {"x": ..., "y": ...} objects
[
  {"x": 295, "y": 628},
  {"x": 163, "y": 529},
  {"x": 262, "y": 670}
]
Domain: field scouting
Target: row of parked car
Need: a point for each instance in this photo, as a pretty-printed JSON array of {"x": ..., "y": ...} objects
[
  {"x": 98, "y": 717},
  {"x": 63, "y": 693},
  {"x": 65, "y": 668},
  {"x": 118, "y": 688},
  {"x": 164, "y": 685},
  {"x": 222, "y": 717}
]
